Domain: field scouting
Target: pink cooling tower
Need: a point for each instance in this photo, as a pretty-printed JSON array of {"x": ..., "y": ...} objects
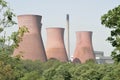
[
  {"x": 55, "y": 48},
  {"x": 32, "y": 45},
  {"x": 84, "y": 48}
]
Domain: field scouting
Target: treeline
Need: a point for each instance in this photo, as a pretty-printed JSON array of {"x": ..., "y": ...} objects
[{"x": 17, "y": 69}]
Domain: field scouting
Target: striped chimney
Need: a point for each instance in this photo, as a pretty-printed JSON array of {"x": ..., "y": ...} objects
[{"x": 31, "y": 47}]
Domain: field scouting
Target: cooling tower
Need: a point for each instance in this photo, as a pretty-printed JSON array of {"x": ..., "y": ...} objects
[
  {"x": 55, "y": 48},
  {"x": 84, "y": 48},
  {"x": 31, "y": 47}
]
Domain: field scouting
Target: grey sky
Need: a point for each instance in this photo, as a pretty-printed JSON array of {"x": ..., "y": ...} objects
[{"x": 84, "y": 15}]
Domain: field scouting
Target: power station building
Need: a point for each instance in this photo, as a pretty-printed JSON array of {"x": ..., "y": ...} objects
[
  {"x": 55, "y": 47},
  {"x": 32, "y": 48},
  {"x": 100, "y": 58},
  {"x": 84, "y": 48}
]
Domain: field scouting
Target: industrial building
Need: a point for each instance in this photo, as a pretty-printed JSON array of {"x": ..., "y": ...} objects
[
  {"x": 32, "y": 47},
  {"x": 55, "y": 48},
  {"x": 84, "y": 48},
  {"x": 100, "y": 58}
]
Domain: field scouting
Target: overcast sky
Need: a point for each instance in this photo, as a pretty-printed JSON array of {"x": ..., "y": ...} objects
[{"x": 84, "y": 16}]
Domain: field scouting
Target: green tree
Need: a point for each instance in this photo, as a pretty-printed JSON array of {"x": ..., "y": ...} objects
[
  {"x": 33, "y": 75},
  {"x": 6, "y": 20},
  {"x": 10, "y": 68},
  {"x": 62, "y": 72},
  {"x": 112, "y": 20}
]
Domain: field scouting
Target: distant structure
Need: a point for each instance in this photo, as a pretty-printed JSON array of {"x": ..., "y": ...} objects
[
  {"x": 31, "y": 47},
  {"x": 68, "y": 39},
  {"x": 55, "y": 48},
  {"x": 101, "y": 59},
  {"x": 84, "y": 48}
]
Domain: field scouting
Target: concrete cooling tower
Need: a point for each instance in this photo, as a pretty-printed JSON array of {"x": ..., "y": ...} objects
[
  {"x": 55, "y": 48},
  {"x": 84, "y": 48},
  {"x": 31, "y": 47}
]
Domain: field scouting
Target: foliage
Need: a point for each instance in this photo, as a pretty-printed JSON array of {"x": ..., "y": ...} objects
[
  {"x": 6, "y": 20},
  {"x": 17, "y": 36},
  {"x": 17, "y": 69},
  {"x": 6, "y": 15},
  {"x": 112, "y": 20}
]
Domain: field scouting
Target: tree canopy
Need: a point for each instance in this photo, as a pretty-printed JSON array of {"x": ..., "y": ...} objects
[
  {"x": 112, "y": 20},
  {"x": 6, "y": 20},
  {"x": 17, "y": 69}
]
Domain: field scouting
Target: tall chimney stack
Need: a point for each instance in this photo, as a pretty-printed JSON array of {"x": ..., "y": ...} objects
[{"x": 68, "y": 40}]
